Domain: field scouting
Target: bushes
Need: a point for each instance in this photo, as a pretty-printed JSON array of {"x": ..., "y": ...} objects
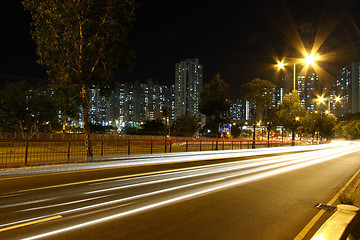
[{"x": 349, "y": 129}]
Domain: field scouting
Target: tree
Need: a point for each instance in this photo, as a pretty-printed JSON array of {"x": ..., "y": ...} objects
[
  {"x": 349, "y": 129},
  {"x": 154, "y": 127},
  {"x": 185, "y": 125},
  {"x": 66, "y": 98},
  {"x": 348, "y": 126},
  {"x": 129, "y": 130},
  {"x": 290, "y": 113},
  {"x": 26, "y": 108},
  {"x": 260, "y": 93},
  {"x": 339, "y": 129},
  {"x": 84, "y": 41},
  {"x": 308, "y": 124},
  {"x": 214, "y": 101},
  {"x": 235, "y": 130},
  {"x": 325, "y": 124}
]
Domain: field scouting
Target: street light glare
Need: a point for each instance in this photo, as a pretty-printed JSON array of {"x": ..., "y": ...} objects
[
  {"x": 321, "y": 99},
  {"x": 310, "y": 59},
  {"x": 280, "y": 65}
]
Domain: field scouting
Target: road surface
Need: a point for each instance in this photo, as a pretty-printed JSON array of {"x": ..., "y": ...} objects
[{"x": 224, "y": 195}]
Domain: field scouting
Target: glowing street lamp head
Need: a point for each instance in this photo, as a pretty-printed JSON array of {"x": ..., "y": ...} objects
[
  {"x": 280, "y": 65},
  {"x": 337, "y": 99},
  {"x": 321, "y": 99},
  {"x": 310, "y": 59}
]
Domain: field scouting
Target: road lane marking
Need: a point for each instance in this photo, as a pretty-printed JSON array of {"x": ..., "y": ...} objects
[
  {"x": 30, "y": 223},
  {"x": 133, "y": 175},
  {"x": 313, "y": 221}
]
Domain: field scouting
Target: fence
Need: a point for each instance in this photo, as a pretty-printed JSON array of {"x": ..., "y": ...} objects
[{"x": 57, "y": 149}]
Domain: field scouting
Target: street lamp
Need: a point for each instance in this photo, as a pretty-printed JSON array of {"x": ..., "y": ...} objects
[
  {"x": 281, "y": 65},
  {"x": 308, "y": 60},
  {"x": 321, "y": 99}
]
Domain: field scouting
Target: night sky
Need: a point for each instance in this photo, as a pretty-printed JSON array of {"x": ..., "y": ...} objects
[{"x": 238, "y": 39}]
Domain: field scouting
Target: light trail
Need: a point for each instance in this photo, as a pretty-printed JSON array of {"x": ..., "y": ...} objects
[
  {"x": 143, "y": 160},
  {"x": 25, "y": 203},
  {"x": 267, "y": 163},
  {"x": 66, "y": 203},
  {"x": 215, "y": 169},
  {"x": 227, "y": 154},
  {"x": 229, "y": 181}
]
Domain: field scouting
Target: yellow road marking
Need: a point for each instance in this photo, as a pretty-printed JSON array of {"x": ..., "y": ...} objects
[
  {"x": 216, "y": 180},
  {"x": 308, "y": 227},
  {"x": 30, "y": 223}
]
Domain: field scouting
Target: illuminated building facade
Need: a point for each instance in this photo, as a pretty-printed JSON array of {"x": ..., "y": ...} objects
[
  {"x": 309, "y": 88},
  {"x": 188, "y": 84},
  {"x": 355, "y": 87},
  {"x": 342, "y": 88},
  {"x": 131, "y": 104}
]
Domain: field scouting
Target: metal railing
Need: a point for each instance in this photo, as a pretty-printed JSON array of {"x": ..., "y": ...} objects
[{"x": 57, "y": 149}]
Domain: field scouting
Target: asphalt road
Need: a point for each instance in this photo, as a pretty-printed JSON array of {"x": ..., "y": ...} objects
[{"x": 252, "y": 196}]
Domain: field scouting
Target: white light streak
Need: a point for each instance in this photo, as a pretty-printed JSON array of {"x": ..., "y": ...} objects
[
  {"x": 232, "y": 181},
  {"x": 65, "y": 203}
]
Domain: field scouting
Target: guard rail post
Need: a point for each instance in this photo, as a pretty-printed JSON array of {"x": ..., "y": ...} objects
[
  {"x": 129, "y": 146},
  {"x": 26, "y": 151},
  {"x": 102, "y": 147},
  {"x": 68, "y": 150}
]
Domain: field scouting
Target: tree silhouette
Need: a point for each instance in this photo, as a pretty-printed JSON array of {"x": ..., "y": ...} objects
[{"x": 84, "y": 42}]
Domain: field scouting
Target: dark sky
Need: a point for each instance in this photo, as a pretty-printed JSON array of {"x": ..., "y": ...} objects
[{"x": 238, "y": 39}]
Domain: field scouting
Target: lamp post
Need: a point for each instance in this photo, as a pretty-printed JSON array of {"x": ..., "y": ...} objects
[
  {"x": 321, "y": 99},
  {"x": 308, "y": 60}
]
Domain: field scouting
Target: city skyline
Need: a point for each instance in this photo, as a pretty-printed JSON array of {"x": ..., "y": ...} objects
[{"x": 239, "y": 41}]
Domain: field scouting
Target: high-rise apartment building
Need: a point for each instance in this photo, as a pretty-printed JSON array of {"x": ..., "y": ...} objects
[
  {"x": 188, "y": 84},
  {"x": 97, "y": 107},
  {"x": 309, "y": 88},
  {"x": 343, "y": 89},
  {"x": 131, "y": 104},
  {"x": 355, "y": 87},
  {"x": 237, "y": 111}
]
